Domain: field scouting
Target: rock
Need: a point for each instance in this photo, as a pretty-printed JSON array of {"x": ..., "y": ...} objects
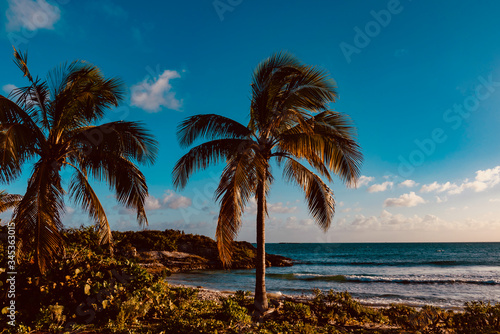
[{"x": 178, "y": 251}]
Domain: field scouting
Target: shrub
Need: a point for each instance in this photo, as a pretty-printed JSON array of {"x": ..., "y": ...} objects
[
  {"x": 296, "y": 312},
  {"x": 478, "y": 317},
  {"x": 232, "y": 312},
  {"x": 341, "y": 308}
]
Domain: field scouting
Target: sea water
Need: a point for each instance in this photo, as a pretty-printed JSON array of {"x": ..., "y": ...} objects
[{"x": 440, "y": 274}]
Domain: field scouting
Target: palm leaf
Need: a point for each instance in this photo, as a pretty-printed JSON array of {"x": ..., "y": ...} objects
[
  {"x": 319, "y": 196},
  {"x": 128, "y": 139},
  {"x": 82, "y": 193},
  {"x": 238, "y": 183},
  {"x": 38, "y": 216},
  {"x": 204, "y": 155},
  {"x": 210, "y": 127}
]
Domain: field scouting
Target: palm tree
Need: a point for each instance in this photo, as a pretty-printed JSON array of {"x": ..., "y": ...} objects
[
  {"x": 53, "y": 124},
  {"x": 290, "y": 123}
]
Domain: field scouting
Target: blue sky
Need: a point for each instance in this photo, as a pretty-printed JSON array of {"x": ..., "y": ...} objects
[{"x": 420, "y": 80}]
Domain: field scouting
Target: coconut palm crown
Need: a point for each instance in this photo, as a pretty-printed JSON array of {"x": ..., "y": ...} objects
[
  {"x": 54, "y": 124},
  {"x": 290, "y": 123}
]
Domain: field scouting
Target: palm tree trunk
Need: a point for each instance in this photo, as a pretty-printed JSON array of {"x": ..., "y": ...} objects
[{"x": 260, "y": 301}]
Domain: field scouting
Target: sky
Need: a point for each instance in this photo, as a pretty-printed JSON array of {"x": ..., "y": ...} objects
[{"x": 419, "y": 79}]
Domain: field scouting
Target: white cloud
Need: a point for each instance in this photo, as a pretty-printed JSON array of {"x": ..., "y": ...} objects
[
  {"x": 441, "y": 199},
  {"x": 365, "y": 180},
  {"x": 439, "y": 188},
  {"x": 406, "y": 200},
  {"x": 174, "y": 201},
  {"x": 31, "y": 15},
  {"x": 494, "y": 200},
  {"x": 271, "y": 207},
  {"x": 388, "y": 221},
  {"x": 8, "y": 88},
  {"x": 484, "y": 179},
  {"x": 170, "y": 200},
  {"x": 408, "y": 183},
  {"x": 151, "y": 95},
  {"x": 380, "y": 187},
  {"x": 280, "y": 208},
  {"x": 152, "y": 203},
  {"x": 298, "y": 224}
]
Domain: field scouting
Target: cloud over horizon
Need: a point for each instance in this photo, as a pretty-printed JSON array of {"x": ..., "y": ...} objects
[{"x": 484, "y": 179}]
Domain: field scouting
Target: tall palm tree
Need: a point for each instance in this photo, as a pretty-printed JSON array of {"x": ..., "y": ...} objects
[
  {"x": 54, "y": 124},
  {"x": 290, "y": 123}
]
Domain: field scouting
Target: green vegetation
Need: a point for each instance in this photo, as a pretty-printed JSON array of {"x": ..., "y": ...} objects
[
  {"x": 86, "y": 291},
  {"x": 290, "y": 123}
]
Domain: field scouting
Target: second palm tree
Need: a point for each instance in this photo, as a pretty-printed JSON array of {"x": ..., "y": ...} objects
[{"x": 290, "y": 123}]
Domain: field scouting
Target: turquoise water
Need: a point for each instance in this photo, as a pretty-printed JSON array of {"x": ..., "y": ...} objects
[{"x": 441, "y": 274}]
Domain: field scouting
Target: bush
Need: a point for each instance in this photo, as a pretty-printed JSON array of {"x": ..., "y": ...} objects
[
  {"x": 478, "y": 317},
  {"x": 232, "y": 312},
  {"x": 296, "y": 312},
  {"x": 341, "y": 308}
]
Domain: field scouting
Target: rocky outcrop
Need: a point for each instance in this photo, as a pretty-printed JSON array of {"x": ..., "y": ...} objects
[{"x": 187, "y": 252}]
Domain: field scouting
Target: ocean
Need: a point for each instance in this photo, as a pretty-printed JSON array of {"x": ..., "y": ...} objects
[{"x": 416, "y": 274}]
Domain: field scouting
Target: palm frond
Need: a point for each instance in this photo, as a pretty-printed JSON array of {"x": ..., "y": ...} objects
[
  {"x": 21, "y": 60},
  {"x": 84, "y": 95},
  {"x": 318, "y": 195},
  {"x": 122, "y": 176},
  {"x": 11, "y": 113},
  {"x": 332, "y": 141},
  {"x": 38, "y": 215},
  {"x": 18, "y": 144},
  {"x": 204, "y": 155},
  {"x": 128, "y": 139},
  {"x": 210, "y": 127},
  {"x": 238, "y": 183},
  {"x": 82, "y": 193}
]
